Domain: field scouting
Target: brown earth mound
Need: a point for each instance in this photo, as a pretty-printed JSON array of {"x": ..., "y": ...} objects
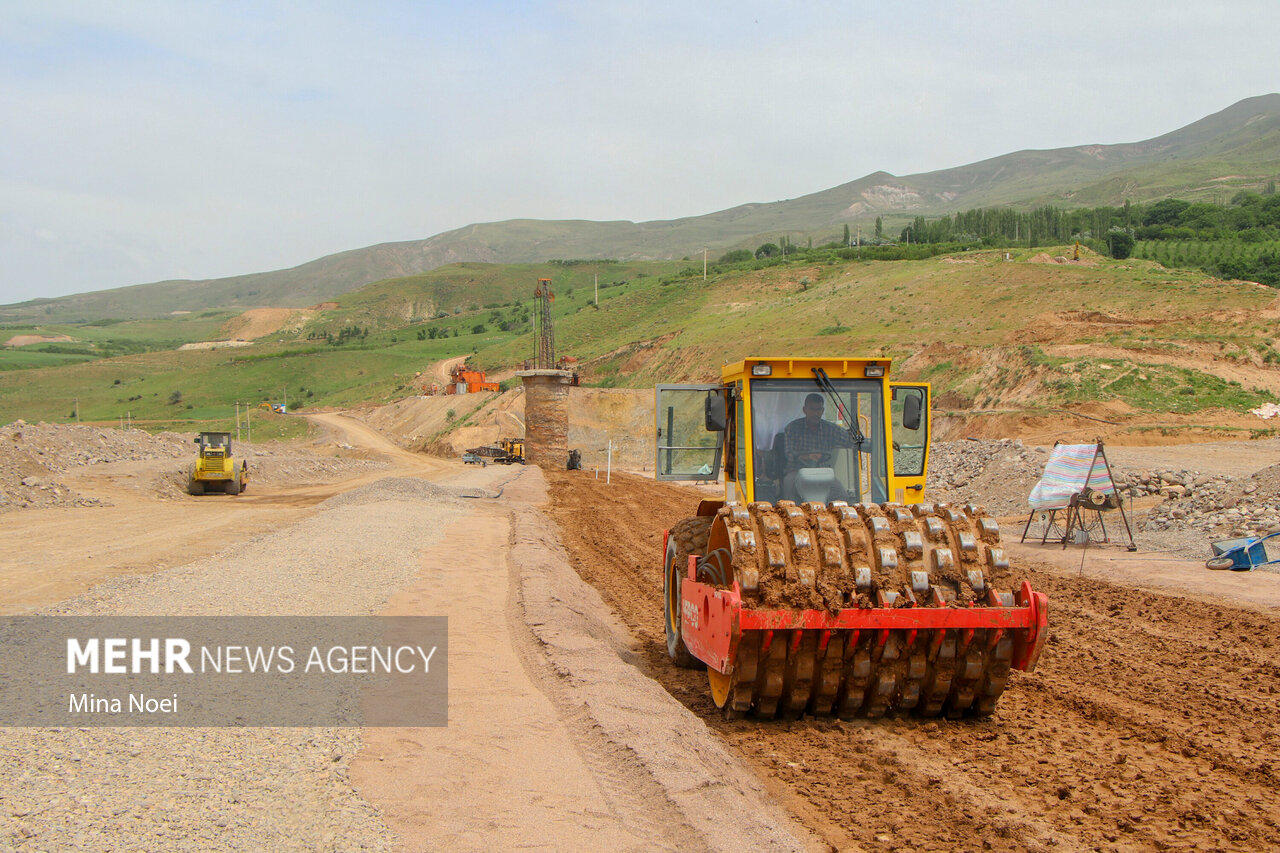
[
  {"x": 27, "y": 340},
  {"x": 260, "y": 322}
]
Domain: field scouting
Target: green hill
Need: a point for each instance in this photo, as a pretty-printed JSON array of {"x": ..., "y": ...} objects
[
  {"x": 1029, "y": 339},
  {"x": 1212, "y": 158}
]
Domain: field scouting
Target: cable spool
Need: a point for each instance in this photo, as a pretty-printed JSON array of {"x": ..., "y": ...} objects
[{"x": 1093, "y": 498}]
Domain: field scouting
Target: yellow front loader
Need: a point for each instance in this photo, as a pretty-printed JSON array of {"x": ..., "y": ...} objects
[{"x": 215, "y": 468}]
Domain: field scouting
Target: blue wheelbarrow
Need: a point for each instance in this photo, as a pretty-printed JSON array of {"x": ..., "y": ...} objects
[{"x": 1245, "y": 555}]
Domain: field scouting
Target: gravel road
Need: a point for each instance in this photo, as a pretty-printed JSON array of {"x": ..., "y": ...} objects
[
  {"x": 228, "y": 789},
  {"x": 555, "y": 741}
]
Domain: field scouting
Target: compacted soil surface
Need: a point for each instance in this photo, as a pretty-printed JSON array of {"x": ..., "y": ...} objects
[{"x": 1152, "y": 721}]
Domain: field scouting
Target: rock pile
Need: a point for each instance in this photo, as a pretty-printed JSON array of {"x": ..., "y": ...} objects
[
  {"x": 59, "y": 447},
  {"x": 33, "y": 456},
  {"x": 998, "y": 474},
  {"x": 1221, "y": 506},
  {"x": 1168, "y": 484}
]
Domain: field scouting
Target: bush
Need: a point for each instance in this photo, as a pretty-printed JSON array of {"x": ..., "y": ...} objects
[
  {"x": 1120, "y": 245},
  {"x": 736, "y": 256}
]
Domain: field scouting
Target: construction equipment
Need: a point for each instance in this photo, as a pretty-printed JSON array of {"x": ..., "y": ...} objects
[
  {"x": 1245, "y": 554},
  {"x": 508, "y": 451},
  {"x": 1077, "y": 481},
  {"x": 465, "y": 380},
  {"x": 215, "y": 467},
  {"x": 822, "y": 583}
]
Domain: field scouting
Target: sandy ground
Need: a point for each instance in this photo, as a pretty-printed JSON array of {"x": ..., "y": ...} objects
[
  {"x": 555, "y": 741},
  {"x": 260, "y": 322},
  {"x": 1151, "y": 723}
]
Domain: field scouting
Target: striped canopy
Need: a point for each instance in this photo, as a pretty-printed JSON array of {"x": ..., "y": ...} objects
[{"x": 1071, "y": 467}]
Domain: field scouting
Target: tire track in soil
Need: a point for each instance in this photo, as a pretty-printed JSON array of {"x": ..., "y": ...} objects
[{"x": 1152, "y": 722}]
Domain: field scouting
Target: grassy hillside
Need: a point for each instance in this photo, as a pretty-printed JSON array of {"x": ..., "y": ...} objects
[
  {"x": 74, "y": 342},
  {"x": 462, "y": 290},
  {"x": 1211, "y": 159},
  {"x": 1127, "y": 341}
]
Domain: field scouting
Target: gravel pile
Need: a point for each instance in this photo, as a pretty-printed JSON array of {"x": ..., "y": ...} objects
[
  {"x": 61, "y": 447},
  {"x": 998, "y": 474},
  {"x": 397, "y": 488},
  {"x": 33, "y": 458}
]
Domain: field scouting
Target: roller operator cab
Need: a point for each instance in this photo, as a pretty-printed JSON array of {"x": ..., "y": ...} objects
[
  {"x": 799, "y": 429},
  {"x": 823, "y": 583}
]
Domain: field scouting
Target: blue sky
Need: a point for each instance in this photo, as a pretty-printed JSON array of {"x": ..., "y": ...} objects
[{"x": 145, "y": 141}]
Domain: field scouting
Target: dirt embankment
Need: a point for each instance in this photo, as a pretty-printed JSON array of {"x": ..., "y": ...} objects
[
  {"x": 260, "y": 322},
  {"x": 1152, "y": 721},
  {"x": 597, "y": 418},
  {"x": 27, "y": 340}
]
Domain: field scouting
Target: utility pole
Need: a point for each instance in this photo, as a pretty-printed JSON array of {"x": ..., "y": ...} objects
[
  {"x": 597, "y": 290},
  {"x": 77, "y": 409},
  {"x": 859, "y": 242},
  {"x": 284, "y": 391},
  {"x": 704, "y": 263},
  {"x": 237, "y": 422}
]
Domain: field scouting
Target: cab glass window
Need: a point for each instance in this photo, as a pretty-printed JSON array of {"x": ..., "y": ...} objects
[
  {"x": 812, "y": 445},
  {"x": 909, "y": 443}
]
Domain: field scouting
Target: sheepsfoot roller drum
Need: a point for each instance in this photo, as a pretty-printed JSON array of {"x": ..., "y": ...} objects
[{"x": 849, "y": 610}]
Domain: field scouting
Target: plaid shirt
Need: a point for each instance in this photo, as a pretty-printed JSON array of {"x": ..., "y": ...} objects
[{"x": 822, "y": 438}]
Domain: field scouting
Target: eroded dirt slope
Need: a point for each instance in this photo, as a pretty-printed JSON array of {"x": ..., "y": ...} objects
[{"x": 1152, "y": 722}]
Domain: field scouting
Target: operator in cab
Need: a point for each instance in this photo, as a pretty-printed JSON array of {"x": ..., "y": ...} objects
[{"x": 810, "y": 443}]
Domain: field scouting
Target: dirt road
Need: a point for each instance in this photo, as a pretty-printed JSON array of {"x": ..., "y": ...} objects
[
  {"x": 1152, "y": 722},
  {"x": 555, "y": 742},
  {"x": 47, "y": 555}
]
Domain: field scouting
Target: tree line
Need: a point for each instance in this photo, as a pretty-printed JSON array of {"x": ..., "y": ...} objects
[{"x": 1250, "y": 218}]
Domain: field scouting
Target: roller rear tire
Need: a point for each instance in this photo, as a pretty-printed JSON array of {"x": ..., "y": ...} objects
[{"x": 688, "y": 536}]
